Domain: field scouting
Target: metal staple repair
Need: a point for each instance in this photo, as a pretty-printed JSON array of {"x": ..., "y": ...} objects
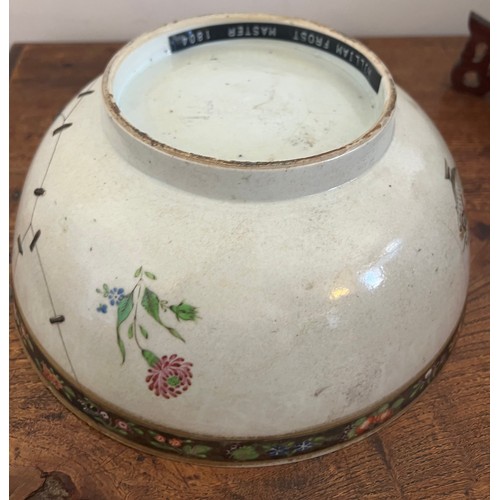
[
  {"x": 87, "y": 92},
  {"x": 19, "y": 244},
  {"x": 35, "y": 239},
  {"x": 61, "y": 128},
  {"x": 57, "y": 319},
  {"x": 447, "y": 170}
]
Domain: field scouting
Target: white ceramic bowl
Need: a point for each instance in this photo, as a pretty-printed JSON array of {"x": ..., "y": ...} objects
[{"x": 242, "y": 245}]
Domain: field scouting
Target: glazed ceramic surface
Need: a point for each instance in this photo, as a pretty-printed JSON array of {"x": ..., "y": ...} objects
[{"x": 242, "y": 244}]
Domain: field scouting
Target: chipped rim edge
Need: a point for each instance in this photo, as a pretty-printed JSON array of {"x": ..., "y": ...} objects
[{"x": 113, "y": 110}]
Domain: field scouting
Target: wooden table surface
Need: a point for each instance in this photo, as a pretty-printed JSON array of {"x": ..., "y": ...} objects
[{"x": 438, "y": 448}]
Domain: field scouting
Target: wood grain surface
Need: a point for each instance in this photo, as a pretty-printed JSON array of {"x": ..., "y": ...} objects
[{"x": 438, "y": 449}]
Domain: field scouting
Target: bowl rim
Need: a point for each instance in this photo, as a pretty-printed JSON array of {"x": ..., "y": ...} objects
[{"x": 125, "y": 126}]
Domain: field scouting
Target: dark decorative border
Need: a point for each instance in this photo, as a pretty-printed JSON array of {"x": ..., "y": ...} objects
[
  {"x": 224, "y": 452},
  {"x": 284, "y": 32}
]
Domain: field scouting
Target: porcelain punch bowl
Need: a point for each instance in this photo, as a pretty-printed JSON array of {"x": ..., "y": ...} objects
[{"x": 243, "y": 244}]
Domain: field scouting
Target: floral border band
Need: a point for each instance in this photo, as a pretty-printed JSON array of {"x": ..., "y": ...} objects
[{"x": 223, "y": 452}]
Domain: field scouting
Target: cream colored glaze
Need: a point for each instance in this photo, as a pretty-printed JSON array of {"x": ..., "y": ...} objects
[{"x": 313, "y": 307}]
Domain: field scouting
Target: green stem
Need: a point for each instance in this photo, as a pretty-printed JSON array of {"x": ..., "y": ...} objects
[
  {"x": 135, "y": 315},
  {"x": 136, "y": 285}
]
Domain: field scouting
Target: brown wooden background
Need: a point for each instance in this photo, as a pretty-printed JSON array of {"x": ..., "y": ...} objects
[{"x": 438, "y": 449}]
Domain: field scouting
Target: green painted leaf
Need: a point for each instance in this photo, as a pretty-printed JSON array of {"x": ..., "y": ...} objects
[
  {"x": 382, "y": 409},
  {"x": 138, "y": 431},
  {"x": 245, "y": 453},
  {"x": 37, "y": 363},
  {"x": 69, "y": 392},
  {"x": 144, "y": 332},
  {"x": 398, "y": 403},
  {"x": 136, "y": 274},
  {"x": 150, "y": 357},
  {"x": 151, "y": 276},
  {"x": 318, "y": 439},
  {"x": 105, "y": 288},
  {"x": 175, "y": 333},
  {"x": 98, "y": 290},
  {"x": 130, "y": 332},
  {"x": 351, "y": 434},
  {"x": 415, "y": 393},
  {"x": 124, "y": 308},
  {"x": 200, "y": 449},
  {"x": 359, "y": 422},
  {"x": 151, "y": 303},
  {"x": 184, "y": 312},
  {"x": 121, "y": 345}
]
